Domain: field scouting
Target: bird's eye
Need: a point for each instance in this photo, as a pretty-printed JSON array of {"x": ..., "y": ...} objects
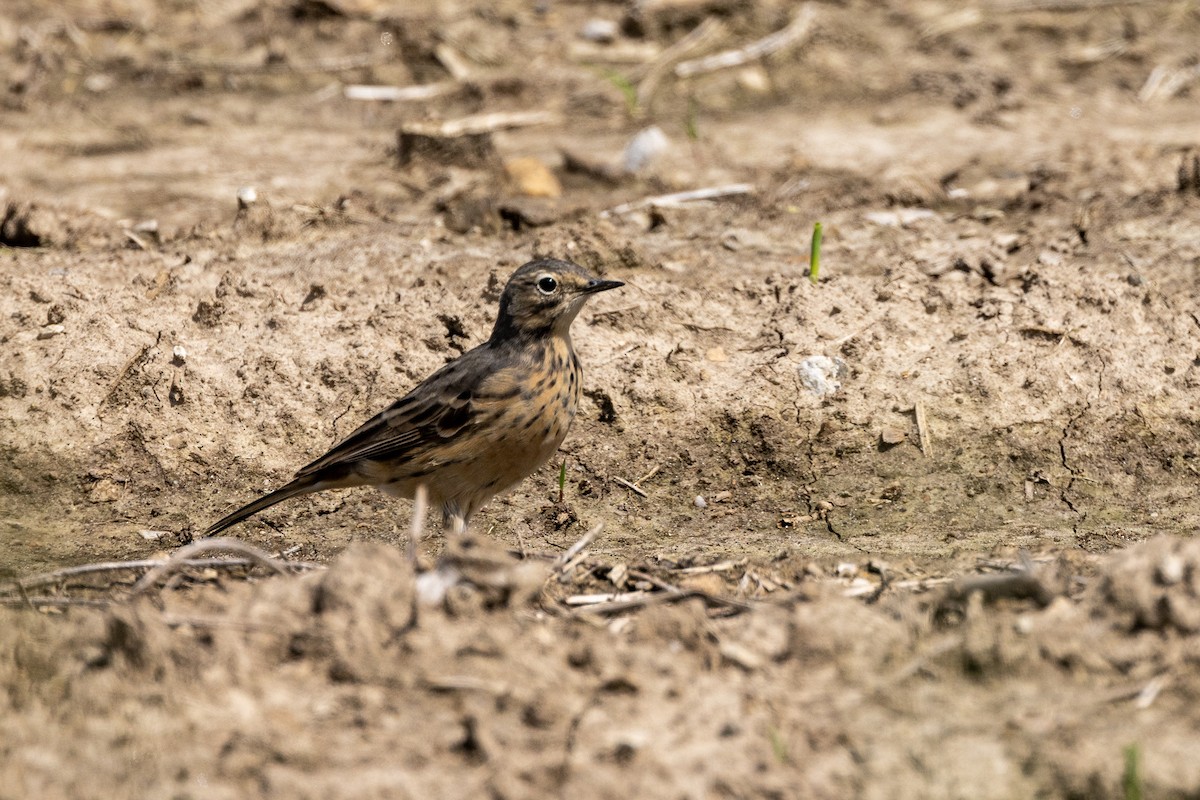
[{"x": 547, "y": 285}]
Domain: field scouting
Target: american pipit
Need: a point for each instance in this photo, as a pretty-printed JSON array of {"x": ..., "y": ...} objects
[{"x": 481, "y": 423}]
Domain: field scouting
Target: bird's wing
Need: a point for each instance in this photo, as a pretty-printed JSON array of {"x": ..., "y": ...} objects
[{"x": 432, "y": 415}]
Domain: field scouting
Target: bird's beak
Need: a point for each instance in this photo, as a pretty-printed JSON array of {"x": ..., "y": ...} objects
[{"x": 597, "y": 285}]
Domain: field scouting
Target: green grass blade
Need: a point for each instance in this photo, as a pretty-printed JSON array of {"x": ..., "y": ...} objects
[{"x": 814, "y": 257}]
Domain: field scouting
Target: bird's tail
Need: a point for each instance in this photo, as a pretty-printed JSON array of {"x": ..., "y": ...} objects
[{"x": 294, "y": 488}]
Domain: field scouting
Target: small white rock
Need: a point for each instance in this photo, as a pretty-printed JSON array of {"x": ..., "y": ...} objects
[
  {"x": 754, "y": 79},
  {"x": 433, "y": 586},
  {"x": 645, "y": 147},
  {"x": 603, "y": 31},
  {"x": 50, "y": 331},
  {"x": 821, "y": 375},
  {"x": 1171, "y": 570},
  {"x": 899, "y": 218},
  {"x": 179, "y": 353},
  {"x": 247, "y": 196},
  {"x": 98, "y": 82},
  {"x": 152, "y": 536},
  {"x": 700, "y": 502}
]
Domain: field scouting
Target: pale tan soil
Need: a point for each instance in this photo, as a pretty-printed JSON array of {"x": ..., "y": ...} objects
[{"x": 1009, "y": 245}]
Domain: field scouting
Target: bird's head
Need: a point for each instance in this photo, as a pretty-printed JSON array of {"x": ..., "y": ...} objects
[{"x": 543, "y": 297}]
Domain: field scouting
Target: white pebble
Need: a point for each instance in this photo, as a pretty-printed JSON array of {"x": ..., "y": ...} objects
[
  {"x": 50, "y": 331},
  {"x": 179, "y": 353},
  {"x": 821, "y": 375},
  {"x": 1171, "y": 570},
  {"x": 247, "y": 196},
  {"x": 599, "y": 30},
  {"x": 433, "y": 586},
  {"x": 645, "y": 147},
  {"x": 700, "y": 502}
]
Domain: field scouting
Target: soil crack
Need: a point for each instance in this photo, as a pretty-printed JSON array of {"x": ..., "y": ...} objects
[{"x": 1062, "y": 444}]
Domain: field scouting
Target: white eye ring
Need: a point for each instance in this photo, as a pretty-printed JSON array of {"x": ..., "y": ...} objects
[{"x": 546, "y": 284}]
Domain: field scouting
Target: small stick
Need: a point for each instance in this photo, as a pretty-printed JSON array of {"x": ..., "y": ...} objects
[
  {"x": 179, "y": 559},
  {"x": 465, "y": 683},
  {"x": 39, "y": 602},
  {"x": 704, "y": 35},
  {"x": 339, "y": 64},
  {"x": 1163, "y": 83},
  {"x": 564, "y": 572},
  {"x": 453, "y": 61},
  {"x": 657, "y": 582},
  {"x": 1063, "y": 5},
  {"x": 796, "y": 31},
  {"x": 425, "y": 91},
  {"x": 923, "y": 430},
  {"x": 720, "y": 566},
  {"x": 116, "y": 566},
  {"x": 636, "y": 53},
  {"x": 482, "y": 123},
  {"x": 610, "y": 597},
  {"x": 677, "y": 199},
  {"x": 596, "y": 604},
  {"x": 1148, "y": 695},
  {"x": 649, "y": 474},
  {"x": 137, "y": 240},
  {"x": 631, "y": 487},
  {"x": 130, "y": 365},
  {"x": 578, "y": 547},
  {"x": 924, "y": 583}
]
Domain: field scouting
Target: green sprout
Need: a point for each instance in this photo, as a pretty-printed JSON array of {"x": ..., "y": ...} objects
[
  {"x": 562, "y": 479},
  {"x": 1131, "y": 781},
  {"x": 814, "y": 257},
  {"x": 692, "y": 124},
  {"x": 626, "y": 88},
  {"x": 778, "y": 746}
]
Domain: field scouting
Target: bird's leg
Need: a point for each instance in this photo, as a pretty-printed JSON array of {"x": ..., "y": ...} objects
[{"x": 417, "y": 530}]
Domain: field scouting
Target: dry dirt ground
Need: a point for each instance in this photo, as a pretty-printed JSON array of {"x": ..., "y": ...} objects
[{"x": 968, "y": 570}]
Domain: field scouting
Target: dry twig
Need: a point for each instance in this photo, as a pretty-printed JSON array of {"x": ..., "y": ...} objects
[
  {"x": 425, "y": 91},
  {"x": 615, "y": 603},
  {"x": 720, "y": 566},
  {"x": 1163, "y": 83},
  {"x": 677, "y": 199},
  {"x": 335, "y": 64},
  {"x": 36, "y": 602},
  {"x": 564, "y": 561},
  {"x": 179, "y": 560},
  {"x": 795, "y": 32},
  {"x": 482, "y": 123},
  {"x": 60, "y": 575},
  {"x": 630, "y": 486},
  {"x": 703, "y": 36},
  {"x": 658, "y": 583},
  {"x": 923, "y": 430}
]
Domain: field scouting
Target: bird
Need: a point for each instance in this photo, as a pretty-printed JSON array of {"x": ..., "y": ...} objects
[{"x": 479, "y": 425}]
